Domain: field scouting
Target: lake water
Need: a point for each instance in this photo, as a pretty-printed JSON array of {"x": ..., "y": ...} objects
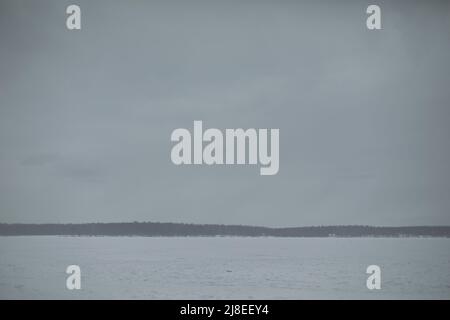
[{"x": 223, "y": 267}]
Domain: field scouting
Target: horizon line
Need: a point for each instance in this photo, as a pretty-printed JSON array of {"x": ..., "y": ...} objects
[{"x": 224, "y": 224}]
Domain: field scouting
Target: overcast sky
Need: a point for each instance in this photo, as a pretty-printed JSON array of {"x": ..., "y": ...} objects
[{"x": 86, "y": 116}]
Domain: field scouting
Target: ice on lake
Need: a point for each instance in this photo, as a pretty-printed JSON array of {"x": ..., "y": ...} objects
[{"x": 223, "y": 267}]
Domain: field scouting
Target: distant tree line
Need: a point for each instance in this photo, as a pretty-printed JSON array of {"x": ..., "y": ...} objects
[{"x": 181, "y": 229}]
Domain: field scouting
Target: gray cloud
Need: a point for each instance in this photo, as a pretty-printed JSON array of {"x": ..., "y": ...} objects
[{"x": 86, "y": 116}]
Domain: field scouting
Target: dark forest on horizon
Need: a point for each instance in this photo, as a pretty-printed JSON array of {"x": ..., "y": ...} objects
[{"x": 183, "y": 229}]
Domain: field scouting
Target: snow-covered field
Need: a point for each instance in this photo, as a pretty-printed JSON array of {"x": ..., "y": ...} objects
[{"x": 223, "y": 268}]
